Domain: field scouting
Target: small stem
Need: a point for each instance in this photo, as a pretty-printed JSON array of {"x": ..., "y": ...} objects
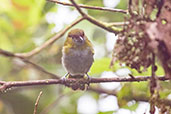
[
  {"x": 153, "y": 86},
  {"x": 91, "y": 19},
  {"x": 90, "y": 7},
  {"x": 130, "y": 7},
  {"x": 50, "y": 41},
  {"x": 37, "y": 102},
  {"x": 9, "y": 54}
]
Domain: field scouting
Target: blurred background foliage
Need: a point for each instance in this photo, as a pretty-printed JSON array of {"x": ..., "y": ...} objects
[{"x": 26, "y": 24}]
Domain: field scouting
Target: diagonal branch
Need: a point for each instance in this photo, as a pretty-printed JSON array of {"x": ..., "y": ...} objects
[
  {"x": 101, "y": 24},
  {"x": 90, "y": 7},
  {"x": 118, "y": 23},
  {"x": 9, "y": 54},
  {"x": 132, "y": 97},
  {"x": 37, "y": 102},
  {"x": 78, "y": 8},
  {"x": 146, "y": 99},
  {"x": 50, "y": 41}
]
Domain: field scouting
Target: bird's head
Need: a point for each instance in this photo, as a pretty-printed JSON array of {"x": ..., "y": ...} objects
[{"x": 77, "y": 36}]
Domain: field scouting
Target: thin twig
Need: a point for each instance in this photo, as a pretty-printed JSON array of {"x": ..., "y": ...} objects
[
  {"x": 78, "y": 8},
  {"x": 37, "y": 102},
  {"x": 101, "y": 24},
  {"x": 140, "y": 97},
  {"x": 133, "y": 96},
  {"x": 50, "y": 41},
  {"x": 90, "y": 7},
  {"x": 118, "y": 23},
  {"x": 130, "y": 7},
  {"x": 9, "y": 54}
]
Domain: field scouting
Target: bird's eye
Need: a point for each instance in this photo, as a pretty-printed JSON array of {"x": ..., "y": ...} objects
[
  {"x": 82, "y": 34},
  {"x": 70, "y": 36}
]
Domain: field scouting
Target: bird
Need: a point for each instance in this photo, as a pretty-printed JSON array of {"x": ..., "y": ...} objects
[{"x": 77, "y": 54}]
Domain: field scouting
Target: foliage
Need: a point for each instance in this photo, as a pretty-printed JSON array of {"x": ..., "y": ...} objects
[{"x": 24, "y": 26}]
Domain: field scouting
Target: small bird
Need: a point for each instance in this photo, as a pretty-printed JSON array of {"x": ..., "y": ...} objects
[{"x": 77, "y": 54}]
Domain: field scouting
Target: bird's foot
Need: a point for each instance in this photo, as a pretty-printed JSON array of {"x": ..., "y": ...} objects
[
  {"x": 88, "y": 81},
  {"x": 64, "y": 77},
  {"x": 72, "y": 82},
  {"x": 75, "y": 82}
]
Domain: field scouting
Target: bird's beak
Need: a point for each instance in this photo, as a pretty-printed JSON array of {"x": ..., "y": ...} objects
[{"x": 81, "y": 39}]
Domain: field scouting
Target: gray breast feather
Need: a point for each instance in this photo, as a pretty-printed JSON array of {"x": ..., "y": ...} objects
[{"x": 78, "y": 62}]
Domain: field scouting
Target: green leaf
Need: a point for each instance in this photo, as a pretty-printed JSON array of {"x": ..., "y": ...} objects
[
  {"x": 164, "y": 94},
  {"x": 100, "y": 66},
  {"x": 125, "y": 91},
  {"x": 132, "y": 90}
]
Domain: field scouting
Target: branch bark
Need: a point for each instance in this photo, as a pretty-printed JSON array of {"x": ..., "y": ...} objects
[
  {"x": 105, "y": 26},
  {"x": 10, "y": 84},
  {"x": 90, "y": 7},
  {"x": 9, "y": 54},
  {"x": 50, "y": 41},
  {"x": 67, "y": 82},
  {"x": 37, "y": 102},
  {"x": 154, "y": 98}
]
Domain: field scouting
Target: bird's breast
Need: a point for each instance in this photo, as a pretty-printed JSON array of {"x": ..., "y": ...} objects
[{"x": 76, "y": 61}]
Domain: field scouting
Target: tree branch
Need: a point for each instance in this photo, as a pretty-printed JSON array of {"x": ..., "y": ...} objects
[
  {"x": 146, "y": 99},
  {"x": 6, "y": 85},
  {"x": 50, "y": 41},
  {"x": 90, "y": 7},
  {"x": 128, "y": 98},
  {"x": 154, "y": 98},
  {"x": 130, "y": 7},
  {"x": 118, "y": 23},
  {"x": 101, "y": 24},
  {"x": 9, "y": 54},
  {"x": 68, "y": 81}
]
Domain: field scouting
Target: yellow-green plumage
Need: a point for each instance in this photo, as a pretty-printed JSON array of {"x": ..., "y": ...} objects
[
  {"x": 77, "y": 53},
  {"x": 70, "y": 44}
]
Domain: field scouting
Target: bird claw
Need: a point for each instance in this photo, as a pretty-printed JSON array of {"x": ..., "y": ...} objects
[
  {"x": 78, "y": 83},
  {"x": 64, "y": 78},
  {"x": 88, "y": 81}
]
